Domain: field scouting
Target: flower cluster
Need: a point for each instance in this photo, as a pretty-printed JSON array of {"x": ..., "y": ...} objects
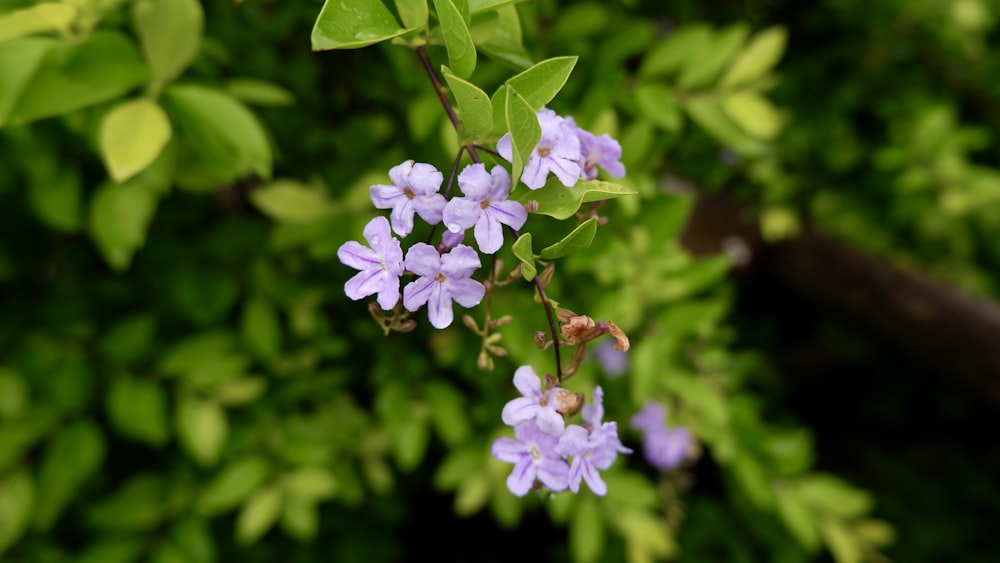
[
  {"x": 567, "y": 151},
  {"x": 544, "y": 445},
  {"x": 663, "y": 447},
  {"x": 444, "y": 273}
]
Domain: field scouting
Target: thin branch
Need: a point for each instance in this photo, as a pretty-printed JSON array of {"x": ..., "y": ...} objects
[
  {"x": 442, "y": 92},
  {"x": 552, "y": 326}
]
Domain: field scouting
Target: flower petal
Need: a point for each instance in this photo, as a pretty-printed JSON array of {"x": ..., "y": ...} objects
[
  {"x": 489, "y": 232},
  {"x": 528, "y": 383},
  {"x": 417, "y": 292},
  {"x": 522, "y": 477},
  {"x": 402, "y": 217},
  {"x": 364, "y": 284},
  {"x": 553, "y": 473},
  {"x": 593, "y": 478},
  {"x": 424, "y": 179},
  {"x": 430, "y": 207},
  {"x": 386, "y": 197},
  {"x": 550, "y": 421},
  {"x": 423, "y": 259},
  {"x": 509, "y": 450},
  {"x": 518, "y": 410},
  {"x": 468, "y": 292},
  {"x": 460, "y": 262},
  {"x": 504, "y": 148},
  {"x": 510, "y": 213},
  {"x": 358, "y": 256},
  {"x": 388, "y": 295},
  {"x": 475, "y": 182},
  {"x": 399, "y": 173},
  {"x": 461, "y": 213},
  {"x": 573, "y": 441},
  {"x": 439, "y": 307}
]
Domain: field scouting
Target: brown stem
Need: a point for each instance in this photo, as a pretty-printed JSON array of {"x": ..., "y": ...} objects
[{"x": 552, "y": 327}]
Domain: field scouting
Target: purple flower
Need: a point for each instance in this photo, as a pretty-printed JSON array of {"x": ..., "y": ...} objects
[
  {"x": 415, "y": 189},
  {"x": 557, "y": 151},
  {"x": 600, "y": 151},
  {"x": 614, "y": 362},
  {"x": 593, "y": 448},
  {"x": 443, "y": 278},
  {"x": 533, "y": 404},
  {"x": 485, "y": 205},
  {"x": 381, "y": 265},
  {"x": 663, "y": 447},
  {"x": 534, "y": 456}
]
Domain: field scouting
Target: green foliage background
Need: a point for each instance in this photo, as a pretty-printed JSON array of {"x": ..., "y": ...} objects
[{"x": 182, "y": 378}]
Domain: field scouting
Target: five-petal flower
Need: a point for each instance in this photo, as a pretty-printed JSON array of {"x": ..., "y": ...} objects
[
  {"x": 533, "y": 404},
  {"x": 557, "y": 151},
  {"x": 381, "y": 265},
  {"x": 485, "y": 205},
  {"x": 534, "y": 456},
  {"x": 414, "y": 188},
  {"x": 443, "y": 278}
]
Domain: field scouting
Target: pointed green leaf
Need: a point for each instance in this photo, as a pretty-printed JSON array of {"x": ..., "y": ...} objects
[
  {"x": 138, "y": 409},
  {"x": 476, "y": 6},
  {"x": 300, "y": 518},
  {"x": 710, "y": 116},
  {"x": 233, "y": 485},
  {"x": 258, "y": 514},
  {"x": 17, "y": 503},
  {"x": 261, "y": 328},
  {"x": 522, "y": 122},
  {"x": 656, "y": 103},
  {"x": 119, "y": 217},
  {"x": 350, "y": 24},
  {"x": 538, "y": 85},
  {"x": 412, "y": 12},
  {"x": 457, "y": 39},
  {"x": 58, "y": 202},
  {"x": 580, "y": 238},
  {"x": 673, "y": 52},
  {"x": 475, "y": 112},
  {"x": 522, "y": 250},
  {"x": 754, "y": 114},
  {"x": 132, "y": 136},
  {"x": 170, "y": 34},
  {"x": 202, "y": 428},
  {"x": 449, "y": 412},
  {"x": 219, "y": 133},
  {"x": 40, "y": 18},
  {"x": 288, "y": 201},
  {"x": 19, "y": 61},
  {"x": 759, "y": 56},
  {"x": 74, "y": 456},
  {"x": 797, "y": 517},
  {"x": 78, "y": 75},
  {"x": 705, "y": 65},
  {"x": 556, "y": 200},
  {"x": 259, "y": 92}
]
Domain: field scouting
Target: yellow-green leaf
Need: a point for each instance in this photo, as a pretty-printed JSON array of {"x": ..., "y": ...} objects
[
  {"x": 754, "y": 114},
  {"x": 457, "y": 38},
  {"x": 132, "y": 136},
  {"x": 757, "y": 58}
]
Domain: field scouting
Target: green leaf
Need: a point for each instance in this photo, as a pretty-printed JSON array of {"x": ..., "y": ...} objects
[
  {"x": 538, "y": 85},
  {"x": 58, "y": 201},
  {"x": 258, "y": 514},
  {"x": 754, "y": 114},
  {"x": 522, "y": 250},
  {"x": 41, "y": 18},
  {"x": 138, "y": 409},
  {"x": 17, "y": 502},
  {"x": 136, "y": 506},
  {"x": 759, "y": 56},
  {"x": 457, "y": 39},
  {"x": 412, "y": 12},
  {"x": 646, "y": 537},
  {"x": 522, "y": 122},
  {"x": 797, "y": 517},
  {"x": 119, "y": 218},
  {"x": 832, "y": 494},
  {"x": 233, "y": 485},
  {"x": 14, "y": 401},
  {"x": 505, "y": 41},
  {"x": 457, "y": 466},
  {"x": 449, "y": 412},
  {"x": 19, "y": 61},
  {"x": 300, "y": 518},
  {"x": 240, "y": 392},
  {"x": 74, "y": 456},
  {"x": 261, "y": 328},
  {"x": 475, "y": 112},
  {"x": 112, "y": 550},
  {"x": 288, "y": 201},
  {"x": 476, "y": 6},
  {"x": 202, "y": 428},
  {"x": 710, "y": 116},
  {"x": 586, "y": 531},
  {"x": 473, "y": 494},
  {"x": 220, "y": 133},
  {"x": 132, "y": 136},
  {"x": 671, "y": 54},
  {"x": 578, "y": 239},
  {"x": 349, "y": 24},
  {"x": 310, "y": 483},
  {"x": 170, "y": 34},
  {"x": 656, "y": 103},
  {"x": 556, "y": 200},
  {"x": 74, "y": 76},
  {"x": 706, "y": 64},
  {"x": 259, "y": 92},
  {"x": 129, "y": 339},
  {"x": 779, "y": 223}
]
